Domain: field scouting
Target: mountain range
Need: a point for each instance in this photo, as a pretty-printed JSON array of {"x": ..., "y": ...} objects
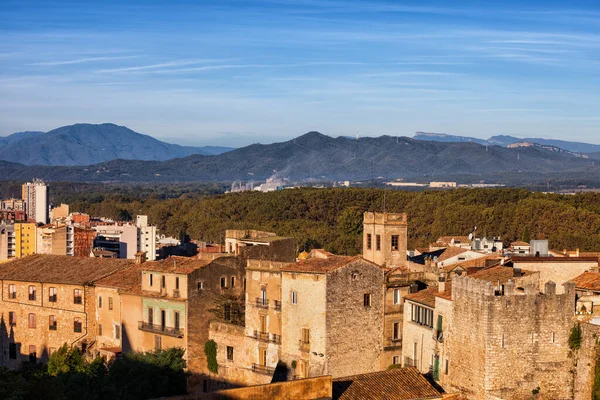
[
  {"x": 505, "y": 141},
  {"x": 320, "y": 157},
  {"x": 85, "y": 144}
]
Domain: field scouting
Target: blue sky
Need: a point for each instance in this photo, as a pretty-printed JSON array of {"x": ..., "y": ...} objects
[{"x": 233, "y": 72}]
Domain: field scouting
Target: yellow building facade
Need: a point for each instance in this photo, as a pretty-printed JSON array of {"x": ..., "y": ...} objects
[{"x": 25, "y": 239}]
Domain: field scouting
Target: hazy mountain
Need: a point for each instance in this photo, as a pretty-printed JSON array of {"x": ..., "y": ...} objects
[
  {"x": 318, "y": 156},
  {"x": 504, "y": 140},
  {"x": 85, "y": 144}
]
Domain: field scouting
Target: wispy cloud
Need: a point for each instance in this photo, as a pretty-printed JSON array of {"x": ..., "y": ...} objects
[
  {"x": 83, "y": 60},
  {"x": 177, "y": 63}
]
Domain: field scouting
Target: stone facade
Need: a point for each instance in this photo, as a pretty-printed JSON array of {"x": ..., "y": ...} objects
[
  {"x": 505, "y": 346},
  {"x": 556, "y": 269},
  {"x": 385, "y": 238}
]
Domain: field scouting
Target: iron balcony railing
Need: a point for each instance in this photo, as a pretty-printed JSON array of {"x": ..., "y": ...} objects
[
  {"x": 304, "y": 346},
  {"x": 276, "y": 339},
  {"x": 262, "y": 303},
  {"x": 277, "y": 305},
  {"x": 263, "y": 369},
  {"x": 262, "y": 336},
  {"x": 160, "y": 329}
]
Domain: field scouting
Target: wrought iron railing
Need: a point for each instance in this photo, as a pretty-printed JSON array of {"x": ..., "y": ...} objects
[
  {"x": 160, "y": 329},
  {"x": 263, "y": 369},
  {"x": 262, "y": 303}
]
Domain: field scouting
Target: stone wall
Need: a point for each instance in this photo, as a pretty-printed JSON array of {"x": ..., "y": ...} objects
[
  {"x": 394, "y": 313},
  {"x": 385, "y": 225},
  {"x": 558, "y": 272},
  {"x": 585, "y": 361},
  {"x": 42, "y": 337},
  {"x": 282, "y": 250},
  {"x": 354, "y": 331},
  {"x": 506, "y": 346}
]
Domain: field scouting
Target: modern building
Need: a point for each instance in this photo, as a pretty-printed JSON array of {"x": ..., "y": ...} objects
[
  {"x": 127, "y": 239},
  {"x": 35, "y": 195}
]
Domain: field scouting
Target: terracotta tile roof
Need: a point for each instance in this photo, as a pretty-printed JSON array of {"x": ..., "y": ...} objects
[
  {"x": 321, "y": 265},
  {"x": 448, "y": 239},
  {"x": 451, "y": 252},
  {"x": 533, "y": 259},
  {"x": 588, "y": 280},
  {"x": 498, "y": 273},
  {"x": 519, "y": 243},
  {"x": 398, "y": 384},
  {"x": 425, "y": 297},
  {"x": 128, "y": 279},
  {"x": 476, "y": 262},
  {"x": 61, "y": 269},
  {"x": 175, "y": 265}
]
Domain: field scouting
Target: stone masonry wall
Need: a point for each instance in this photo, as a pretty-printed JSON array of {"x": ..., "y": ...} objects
[
  {"x": 586, "y": 358},
  {"x": 504, "y": 347},
  {"x": 354, "y": 332}
]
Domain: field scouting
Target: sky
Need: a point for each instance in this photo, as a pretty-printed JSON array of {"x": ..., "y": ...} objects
[{"x": 236, "y": 72}]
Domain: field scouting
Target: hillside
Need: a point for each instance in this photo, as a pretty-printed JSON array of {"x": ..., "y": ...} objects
[
  {"x": 320, "y": 157},
  {"x": 505, "y": 141},
  {"x": 85, "y": 144}
]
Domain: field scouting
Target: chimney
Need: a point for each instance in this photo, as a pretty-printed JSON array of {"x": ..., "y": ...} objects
[
  {"x": 517, "y": 272},
  {"x": 140, "y": 257},
  {"x": 441, "y": 284}
]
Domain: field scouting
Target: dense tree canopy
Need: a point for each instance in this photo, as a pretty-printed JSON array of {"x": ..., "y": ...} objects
[{"x": 331, "y": 218}]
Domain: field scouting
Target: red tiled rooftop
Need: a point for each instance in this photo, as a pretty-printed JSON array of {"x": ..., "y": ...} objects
[
  {"x": 320, "y": 265},
  {"x": 498, "y": 273},
  {"x": 451, "y": 252},
  {"x": 588, "y": 280},
  {"x": 128, "y": 279},
  {"x": 398, "y": 384},
  {"x": 425, "y": 297},
  {"x": 175, "y": 265}
]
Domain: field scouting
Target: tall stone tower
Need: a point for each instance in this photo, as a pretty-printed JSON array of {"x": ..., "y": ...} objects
[{"x": 385, "y": 238}]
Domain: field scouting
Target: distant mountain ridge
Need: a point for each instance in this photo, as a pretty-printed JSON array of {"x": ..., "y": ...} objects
[
  {"x": 85, "y": 144},
  {"x": 504, "y": 141},
  {"x": 314, "y": 156}
]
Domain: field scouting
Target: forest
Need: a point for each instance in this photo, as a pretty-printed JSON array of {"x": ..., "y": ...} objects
[{"x": 331, "y": 218}]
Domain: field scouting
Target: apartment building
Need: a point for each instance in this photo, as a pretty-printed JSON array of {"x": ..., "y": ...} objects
[
  {"x": 35, "y": 195},
  {"x": 126, "y": 240},
  {"x": 48, "y": 301}
]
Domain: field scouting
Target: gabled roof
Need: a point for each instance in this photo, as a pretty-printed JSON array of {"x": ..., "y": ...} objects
[
  {"x": 498, "y": 273},
  {"x": 317, "y": 265},
  {"x": 425, "y": 297},
  {"x": 175, "y": 265},
  {"x": 448, "y": 239},
  {"x": 128, "y": 279},
  {"x": 398, "y": 384},
  {"x": 451, "y": 252},
  {"x": 475, "y": 262},
  {"x": 61, "y": 269},
  {"x": 520, "y": 244},
  {"x": 588, "y": 280}
]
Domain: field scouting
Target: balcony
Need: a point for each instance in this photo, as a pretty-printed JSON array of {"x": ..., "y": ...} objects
[
  {"x": 275, "y": 339},
  {"x": 176, "y": 293},
  {"x": 304, "y": 346},
  {"x": 262, "y": 336},
  {"x": 262, "y": 303},
  {"x": 161, "y": 330},
  {"x": 277, "y": 305},
  {"x": 438, "y": 336},
  {"x": 263, "y": 369},
  {"x": 409, "y": 362}
]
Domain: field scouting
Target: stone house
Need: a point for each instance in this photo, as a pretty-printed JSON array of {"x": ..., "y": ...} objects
[
  {"x": 385, "y": 237},
  {"x": 48, "y": 301}
]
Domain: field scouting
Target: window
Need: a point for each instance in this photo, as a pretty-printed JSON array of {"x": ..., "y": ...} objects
[
  {"x": 229, "y": 353},
  {"x": 263, "y": 323},
  {"x": 233, "y": 281},
  {"x": 446, "y": 368},
  {"x": 163, "y": 283},
  {"x": 12, "y": 351},
  {"x": 77, "y": 296},
  {"x": 263, "y": 357},
  {"x": 157, "y": 343},
  {"x": 12, "y": 292},
  {"x": 263, "y": 296},
  {"x": 12, "y": 318},
  {"x": 396, "y": 360},
  {"x": 99, "y": 301},
  {"x": 395, "y": 246},
  {"x": 422, "y": 315},
  {"x": 32, "y": 354},
  {"x": 367, "y": 300},
  {"x": 294, "y": 298},
  {"x": 227, "y": 312},
  {"x": 117, "y": 331},
  {"x": 99, "y": 329},
  {"x": 305, "y": 335},
  {"x": 396, "y": 296},
  {"x": 32, "y": 321},
  {"x": 369, "y": 241},
  {"x": 52, "y": 322},
  {"x": 52, "y": 295},
  {"x": 200, "y": 285},
  {"x": 77, "y": 325},
  {"x": 110, "y": 303},
  {"x": 396, "y": 333},
  {"x": 150, "y": 316},
  {"x": 31, "y": 293},
  {"x": 378, "y": 242},
  {"x": 177, "y": 283},
  {"x": 150, "y": 280},
  {"x": 176, "y": 320},
  {"x": 223, "y": 283}
]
